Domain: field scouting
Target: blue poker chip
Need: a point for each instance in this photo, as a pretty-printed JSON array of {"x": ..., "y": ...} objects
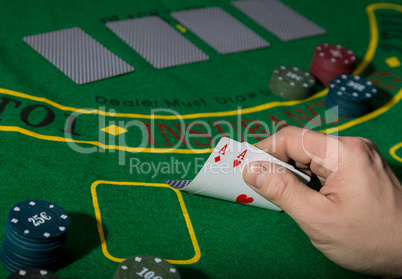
[
  {"x": 25, "y": 261},
  {"x": 349, "y": 111},
  {"x": 346, "y": 104},
  {"x": 351, "y": 88},
  {"x": 39, "y": 220},
  {"x": 8, "y": 262},
  {"x": 32, "y": 243},
  {"x": 35, "y": 236},
  {"x": 33, "y": 274},
  {"x": 13, "y": 261},
  {"x": 37, "y": 252}
]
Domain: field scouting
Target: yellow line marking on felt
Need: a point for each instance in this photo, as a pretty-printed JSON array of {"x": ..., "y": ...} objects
[
  {"x": 393, "y": 150},
  {"x": 373, "y": 40},
  {"x": 393, "y": 62},
  {"x": 366, "y": 60},
  {"x": 104, "y": 146},
  {"x": 373, "y": 33},
  {"x": 181, "y": 28},
  {"x": 165, "y": 117},
  {"x": 186, "y": 216}
]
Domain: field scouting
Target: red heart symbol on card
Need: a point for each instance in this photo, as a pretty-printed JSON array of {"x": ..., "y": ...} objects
[
  {"x": 236, "y": 163},
  {"x": 244, "y": 199}
]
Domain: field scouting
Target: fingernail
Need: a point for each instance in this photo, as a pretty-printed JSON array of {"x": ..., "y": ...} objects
[{"x": 251, "y": 174}]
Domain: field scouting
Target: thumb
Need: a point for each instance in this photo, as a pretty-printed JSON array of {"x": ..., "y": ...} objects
[{"x": 281, "y": 187}]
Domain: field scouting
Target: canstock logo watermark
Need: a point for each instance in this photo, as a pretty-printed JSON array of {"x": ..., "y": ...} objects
[{"x": 139, "y": 136}]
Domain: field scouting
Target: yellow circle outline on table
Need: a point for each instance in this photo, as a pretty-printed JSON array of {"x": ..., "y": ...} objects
[{"x": 365, "y": 62}]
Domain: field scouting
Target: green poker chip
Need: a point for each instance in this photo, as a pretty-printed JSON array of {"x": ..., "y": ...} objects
[
  {"x": 291, "y": 83},
  {"x": 293, "y": 77},
  {"x": 146, "y": 267},
  {"x": 284, "y": 93}
]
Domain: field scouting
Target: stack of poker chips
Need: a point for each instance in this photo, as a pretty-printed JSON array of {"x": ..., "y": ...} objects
[
  {"x": 146, "y": 266},
  {"x": 35, "y": 236},
  {"x": 33, "y": 274},
  {"x": 350, "y": 95},
  {"x": 330, "y": 61},
  {"x": 291, "y": 83}
]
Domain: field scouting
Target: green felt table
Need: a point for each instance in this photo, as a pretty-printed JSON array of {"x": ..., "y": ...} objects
[{"x": 54, "y": 145}]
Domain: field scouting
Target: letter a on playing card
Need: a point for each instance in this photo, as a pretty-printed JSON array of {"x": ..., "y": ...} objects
[
  {"x": 216, "y": 164},
  {"x": 239, "y": 159},
  {"x": 223, "y": 152}
]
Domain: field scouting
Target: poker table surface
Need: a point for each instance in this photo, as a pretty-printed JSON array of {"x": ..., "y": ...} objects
[{"x": 103, "y": 150}]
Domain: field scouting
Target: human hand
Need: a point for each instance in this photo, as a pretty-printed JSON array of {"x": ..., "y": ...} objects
[{"x": 356, "y": 218}]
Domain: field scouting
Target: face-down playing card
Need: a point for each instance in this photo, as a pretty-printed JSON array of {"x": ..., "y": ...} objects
[
  {"x": 221, "y": 175},
  {"x": 157, "y": 41},
  {"x": 78, "y": 55},
  {"x": 220, "y": 30},
  {"x": 279, "y": 19}
]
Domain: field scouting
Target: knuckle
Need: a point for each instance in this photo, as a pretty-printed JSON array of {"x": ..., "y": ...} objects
[
  {"x": 369, "y": 144},
  {"x": 356, "y": 144},
  {"x": 288, "y": 129},
  {"x": 364, "y": 148}
]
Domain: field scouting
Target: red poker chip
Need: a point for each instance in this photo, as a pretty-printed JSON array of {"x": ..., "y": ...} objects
[
  {"x": 334, "y": 57},
  {"x": 325, "y": 79},
  {"x": 333, "y": 71},
  {"x": 325, "y": 76}
]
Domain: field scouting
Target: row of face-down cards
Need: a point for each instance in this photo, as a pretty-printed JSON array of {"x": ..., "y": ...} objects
[{"x": 83, "y": 59}]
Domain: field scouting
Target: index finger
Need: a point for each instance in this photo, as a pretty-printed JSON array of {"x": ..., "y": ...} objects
[{"x": 306, "y": 147}]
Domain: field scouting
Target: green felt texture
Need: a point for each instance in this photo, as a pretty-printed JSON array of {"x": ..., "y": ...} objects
[{"x": 235, "y": 241}]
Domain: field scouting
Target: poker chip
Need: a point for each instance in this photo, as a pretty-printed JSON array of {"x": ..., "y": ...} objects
[
  {"x": 291, "y": 83},
  {"x": 330, "y": 61},
  {"x": 146, "y": 266},
  {"x": 38, "y": 219},
  {"x": 33, "y": 274},
  {"x": 35, "y": 236},
  {"x": 330, "y": 56},
  {"x": 325, "y": 76},
  {"x": 350, "y": 95}
]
